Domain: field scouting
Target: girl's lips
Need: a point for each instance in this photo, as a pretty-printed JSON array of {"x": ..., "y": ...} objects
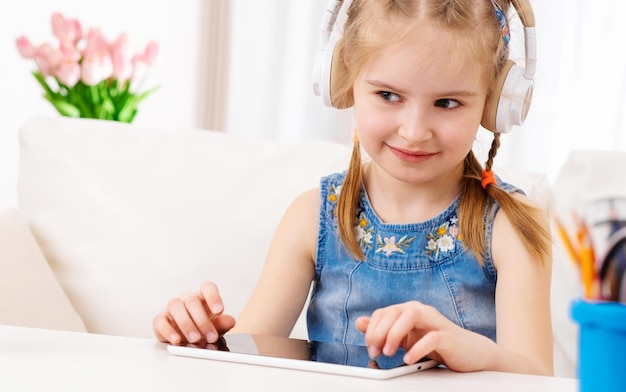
[{"x": 412, "y": 156}]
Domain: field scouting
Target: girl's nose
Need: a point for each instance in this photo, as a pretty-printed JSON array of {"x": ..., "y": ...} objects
[{"x": 415, "y": 124}]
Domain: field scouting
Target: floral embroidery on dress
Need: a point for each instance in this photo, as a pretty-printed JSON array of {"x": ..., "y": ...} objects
[
  {"x": 333, "y": 193},
  {"x": 444, "y": 238},
  {"x": 364, "y": 232},
  {"x": 388, "y": 245}
]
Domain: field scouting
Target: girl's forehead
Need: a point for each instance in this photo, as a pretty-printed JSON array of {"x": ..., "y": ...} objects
[
  {"x": 431, "y": 36},
  {"x": 430, "y": 49}
]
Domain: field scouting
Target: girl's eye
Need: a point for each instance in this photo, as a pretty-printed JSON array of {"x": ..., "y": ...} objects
[
  {"x": 447, "y": 103},
  {"x": 388, "y": 96}
]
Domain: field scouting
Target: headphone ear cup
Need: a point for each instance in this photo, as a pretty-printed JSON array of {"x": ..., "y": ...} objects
[
  {"x": 328, "y": 65},
  {"x": 490, "y": 111},
  {"x": 322, "y": 66},
  {"x": 339, "y": 72},
  {"x": 509, "y": 101},
  {"x": 330, "y": 68}
]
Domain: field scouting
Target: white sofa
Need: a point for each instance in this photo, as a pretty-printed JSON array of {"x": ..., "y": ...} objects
[{"x": 114, "y": 219}]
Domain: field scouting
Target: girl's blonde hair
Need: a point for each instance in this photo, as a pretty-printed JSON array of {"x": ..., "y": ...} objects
[{"x": 371, "y": 25}]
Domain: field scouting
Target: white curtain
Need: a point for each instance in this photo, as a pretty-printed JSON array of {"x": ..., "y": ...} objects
[
  {"x": 579, "y": 99},
  {"x": 273, "y": 43},
  {"x": 213, "y": 63}
]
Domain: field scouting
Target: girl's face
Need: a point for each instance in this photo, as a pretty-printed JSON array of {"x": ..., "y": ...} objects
[{"x": 418, "y": 106}]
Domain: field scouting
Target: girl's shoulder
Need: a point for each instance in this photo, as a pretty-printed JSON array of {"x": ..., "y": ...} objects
[
  {"x": 335, "y": 179},
  {"x": 508, "y": 187},
  {"x": 306, "y": 200},
  {"x": 517, "y": 192}
]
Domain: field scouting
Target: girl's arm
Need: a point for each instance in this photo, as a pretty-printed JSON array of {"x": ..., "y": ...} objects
[
  {"x": 524, "y": 326},
  {"x": 289, "y": 269}
]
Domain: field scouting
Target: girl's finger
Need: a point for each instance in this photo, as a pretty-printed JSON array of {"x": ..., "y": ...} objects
[
  {"x": 179, "y": 314},
  {"x": 164, "y": 331},
  {"x": 378, "y": 329},
  {"x": 210, "y": 294},
  {"x": 201, "y": 318},
  {"x": 362, "y": 323},
  {"x": 423, "y": 347}
]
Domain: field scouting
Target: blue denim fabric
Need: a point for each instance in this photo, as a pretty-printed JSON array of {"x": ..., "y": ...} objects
[{"x": 423, "y": 261}]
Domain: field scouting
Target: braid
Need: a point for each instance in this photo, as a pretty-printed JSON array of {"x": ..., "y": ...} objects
[
  {"x": 522, "y": 216},
  {"x": 495, "y": 144}
]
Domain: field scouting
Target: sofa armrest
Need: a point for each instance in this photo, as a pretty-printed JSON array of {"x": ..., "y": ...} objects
[{"x": 30, "y": 295}]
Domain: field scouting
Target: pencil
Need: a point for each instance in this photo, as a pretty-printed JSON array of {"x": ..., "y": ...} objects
[
  {"x": 565, "y": 239},
  {"x": 587, "y": 268},
  {"x": 587, "y": 257}
]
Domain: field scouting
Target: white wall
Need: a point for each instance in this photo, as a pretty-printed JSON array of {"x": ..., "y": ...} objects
[{"x": 175, "y": 25}]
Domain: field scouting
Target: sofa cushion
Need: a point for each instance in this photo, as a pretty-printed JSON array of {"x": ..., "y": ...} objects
[
  {"x": 30, "y": 295},
  {"x": 129, "y": 217}
]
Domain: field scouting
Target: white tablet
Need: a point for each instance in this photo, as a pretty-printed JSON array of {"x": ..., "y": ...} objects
[{"x": 334, "y": 358}]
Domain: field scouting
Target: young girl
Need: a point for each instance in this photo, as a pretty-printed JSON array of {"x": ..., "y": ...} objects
[{"x": 418, "y": 248}]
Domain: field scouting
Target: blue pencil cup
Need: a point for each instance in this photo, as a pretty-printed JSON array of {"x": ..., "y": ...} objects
[{"x": 602, "y": 345}]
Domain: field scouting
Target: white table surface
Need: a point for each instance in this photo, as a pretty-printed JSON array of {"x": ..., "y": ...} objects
[{"x": 48, "y": 360}]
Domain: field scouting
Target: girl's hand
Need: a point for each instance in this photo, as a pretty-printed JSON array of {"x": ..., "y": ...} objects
[
  {"x": 422, "y": 331},
  {"x": 193, "y": 317}
]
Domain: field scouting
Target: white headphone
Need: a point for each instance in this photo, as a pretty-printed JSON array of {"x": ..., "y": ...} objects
[{"x": 506, "y": 107}]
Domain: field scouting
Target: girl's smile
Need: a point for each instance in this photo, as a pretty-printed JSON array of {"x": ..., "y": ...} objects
[{"x": 411, "y": 156}]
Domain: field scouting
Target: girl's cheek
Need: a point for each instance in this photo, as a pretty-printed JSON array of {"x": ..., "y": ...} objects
[{"x": 368, "y": 115}]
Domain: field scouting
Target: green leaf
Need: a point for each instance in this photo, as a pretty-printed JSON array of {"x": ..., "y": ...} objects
[
  {"x": 127, "y": 116},
  {"x": 95, "y": 95},
  {"x": 64, "y": 108},
  {"x": 127, "y": 112},
  {"x": 143, "y": 95},
  {"x": 43, "y": 83},
  {"x": 109, "y": 99},
  {"x": 107, "y": 109}
]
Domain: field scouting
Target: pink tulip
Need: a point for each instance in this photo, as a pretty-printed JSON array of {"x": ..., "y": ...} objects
[
  {"x": 97, "y": 64},
  {"x": 70, "y": 51},
  {"x": 122, "y": 58},
  {"x": 47, "y": 59},
  {"x": 143, "y": 61},
  {"x": 96, "y": 67},
  {"x": 140, "y": 69},
  {"x": 66, "y": 30},
  {"x": 95, "y": 40},
  {"x": 68, "y": 71},
  {"x": 25, "y": 47},
  {"x": 150, "y": 52}
]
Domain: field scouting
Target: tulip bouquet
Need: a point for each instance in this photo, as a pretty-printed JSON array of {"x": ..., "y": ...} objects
[{"x": 88, "y": 76}]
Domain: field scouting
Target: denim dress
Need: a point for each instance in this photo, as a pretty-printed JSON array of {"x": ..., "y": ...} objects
[{"x": 424, "y": 261}]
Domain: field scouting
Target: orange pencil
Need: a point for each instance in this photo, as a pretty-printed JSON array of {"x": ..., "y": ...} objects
[
  {"x": 587, "y": 257},
  {"x": 587, "y": 267},
  {"x": 565, "y": 239}
]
